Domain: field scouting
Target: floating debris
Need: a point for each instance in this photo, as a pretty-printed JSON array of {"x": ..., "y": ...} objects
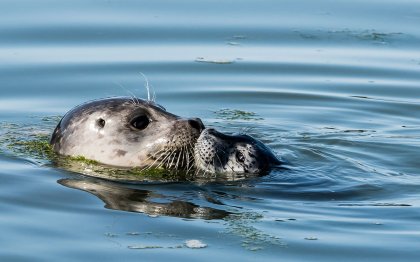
[
  {"x": 194, "y": 243},
  {"x": 235, "y": 114},
  {"x": 233, "y": 43},
  {"x": 355, "y": 131},
  {"x": 391, "y": 205},
  {"x": 111, "y": 235},
  {"x": 132, "y": 233},
  {"x": 311, "y": 238},
  {"x": 375, "y": 36},
  {"x": 178, "y": 246},
  {"x": 254, "y": 248},
  {"x": 376, "y": 205},
  {"x": 214, "y": 61},
  {"x": 367, "y": 35},
  {"x": 54, "y": 119},
  {"x": 143, "y": 247},
  {"x": 253, "y": 239},
  {"x": 362, "y": 97}
]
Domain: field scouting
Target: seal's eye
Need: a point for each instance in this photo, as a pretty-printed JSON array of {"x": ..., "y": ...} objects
[
  {"x": 140, "y": 122},
  {"x": 240, "y": 157}
]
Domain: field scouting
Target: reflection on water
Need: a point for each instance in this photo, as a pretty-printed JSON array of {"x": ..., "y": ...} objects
[{"x": 119, "y": 197}]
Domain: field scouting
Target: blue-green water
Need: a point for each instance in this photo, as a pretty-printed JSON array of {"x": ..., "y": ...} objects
[{"x": 335, "y": 88}]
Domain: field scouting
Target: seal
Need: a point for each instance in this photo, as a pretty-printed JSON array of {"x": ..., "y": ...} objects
[
  {"x": 216, "y": 152},
  {"x": 127, "y": 132}
]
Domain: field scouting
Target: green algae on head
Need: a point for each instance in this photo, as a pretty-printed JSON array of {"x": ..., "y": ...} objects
[{"x": 82, "y": 159}]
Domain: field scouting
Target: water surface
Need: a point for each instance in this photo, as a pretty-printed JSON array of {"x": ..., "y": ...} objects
[{"x": 332, "y": 87}]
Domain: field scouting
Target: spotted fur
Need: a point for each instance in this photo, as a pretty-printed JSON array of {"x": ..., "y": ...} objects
[{"x": 216, "y": 152}]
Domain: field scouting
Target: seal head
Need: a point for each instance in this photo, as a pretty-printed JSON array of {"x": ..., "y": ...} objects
[
  {"x": 127, "y": 132},
  {"x": 216, "y": 152}
]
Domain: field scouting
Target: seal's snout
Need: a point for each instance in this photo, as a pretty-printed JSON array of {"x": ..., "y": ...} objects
[{"x": 197, "y": 124}]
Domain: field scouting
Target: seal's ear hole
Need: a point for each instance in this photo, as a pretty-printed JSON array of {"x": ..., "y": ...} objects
[
  {"x": 100, "y": 122},
  {"x": 140, "y": 122}
]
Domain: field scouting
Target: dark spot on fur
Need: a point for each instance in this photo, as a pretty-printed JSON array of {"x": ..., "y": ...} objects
[
  {"x": 133, "y": 139},
  {"x": 120, "y": 152}
]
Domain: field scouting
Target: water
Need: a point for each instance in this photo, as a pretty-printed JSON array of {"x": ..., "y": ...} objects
[{"x": 335, "y": 88}]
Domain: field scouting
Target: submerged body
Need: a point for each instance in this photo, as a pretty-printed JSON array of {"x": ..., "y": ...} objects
[{"x": 130, "y": 132}]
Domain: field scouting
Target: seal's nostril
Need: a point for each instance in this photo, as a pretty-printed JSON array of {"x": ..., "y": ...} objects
[{"x": 196, "y": 124}]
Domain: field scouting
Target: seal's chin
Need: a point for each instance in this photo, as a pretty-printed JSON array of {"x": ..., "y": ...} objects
[{"x": 215, "y": 152}]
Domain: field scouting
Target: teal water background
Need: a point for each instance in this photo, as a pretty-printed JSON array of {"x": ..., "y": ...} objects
[{"x": 335, "y": 88}]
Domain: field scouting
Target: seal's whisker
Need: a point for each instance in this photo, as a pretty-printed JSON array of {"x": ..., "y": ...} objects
[
  {"x": 154, "y": 156},
  {"x": 196, "y": 172},
  {"x": 157, "y": 159},
  {"x": 146, "y": 85},
  {"x": 162, "y": 161},
  {"x": 190, "y": 150},
  {"x": 168, "y": 153},
  {"x": 173, "y": 159},
  {"x": 220, "y": 161},
  {"x": 205, "y": 172},
  {"x": 179, "y": 157},
  {"x": 190, "y": 166},
  {"x": 183, "y": 155},
  {"x": 154, "y": 94},
  {"x": 147, "y": 167},
  {"x": 165, "y": 161},
  {"x": 214, "y": 164},
  {"x": 191, "y": 158}
]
